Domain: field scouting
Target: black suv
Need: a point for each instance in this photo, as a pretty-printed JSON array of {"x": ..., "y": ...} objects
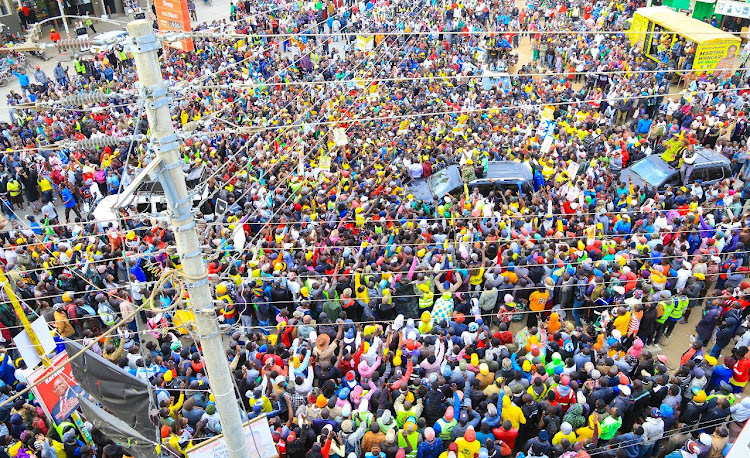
[{"x": 709, "y": 167}]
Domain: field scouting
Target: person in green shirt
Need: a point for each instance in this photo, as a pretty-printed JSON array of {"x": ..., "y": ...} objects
[{"x": 611, "y": 424}]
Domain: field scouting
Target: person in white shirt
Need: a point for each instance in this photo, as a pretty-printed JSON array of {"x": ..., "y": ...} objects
[{"x": 48, "y": 210}]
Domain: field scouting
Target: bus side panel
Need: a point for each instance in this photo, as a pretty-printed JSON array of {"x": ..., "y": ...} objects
[
  {"x": 716, "y": 54},
  {"x": 638, "y": 30}
]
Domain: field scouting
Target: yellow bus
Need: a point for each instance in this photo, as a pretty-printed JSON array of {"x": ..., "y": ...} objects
[{"x": 713, "y": 49}]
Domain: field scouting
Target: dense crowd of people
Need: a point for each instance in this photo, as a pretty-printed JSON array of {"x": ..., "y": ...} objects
[{"x": 361, "y": 320}]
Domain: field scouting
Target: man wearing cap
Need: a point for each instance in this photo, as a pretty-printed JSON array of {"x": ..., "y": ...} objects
[{"x": 653, "y": 430}]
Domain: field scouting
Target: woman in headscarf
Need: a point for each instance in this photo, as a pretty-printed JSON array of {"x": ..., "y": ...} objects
[
  {"x": 16, "y": 426},
  {"x": 575, "y": 416}
]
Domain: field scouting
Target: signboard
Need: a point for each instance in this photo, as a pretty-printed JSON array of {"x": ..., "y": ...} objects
[
  {"x": 325, "y": 162},
  {"x": 221, "y": 207},
  {"x": 58, "y": 393},
  {"x": 26, "y": 348},
  {"x": 259, "y": 440},
  {"x": 717, "y": 55},
  {"x": 732, "y": 8},
  {"x": 173, "y": 15},
  {"x": 572, "y": 170},
  {"x": 365, "y": 42},
  {"x": 339, "y": 136},
  {"x": 546, "y": 144},
  {"x": 638, "y": 30}
]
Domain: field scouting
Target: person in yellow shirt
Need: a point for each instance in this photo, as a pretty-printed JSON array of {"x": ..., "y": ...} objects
[
  {"x": 46, "y": 188},
  {"x": 14, "y": 189},
  {"x": 587, "y": 432},
  {"x": 468, "y": 446},
  {"x": 566, "y": 432},
  {"x": 513, "y": 413},
  {"x": 452, "y": 451},
  {"x": 621, "y": 322}
]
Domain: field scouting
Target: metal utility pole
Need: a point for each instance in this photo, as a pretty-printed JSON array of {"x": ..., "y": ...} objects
[{"x": 180, "y": 204}]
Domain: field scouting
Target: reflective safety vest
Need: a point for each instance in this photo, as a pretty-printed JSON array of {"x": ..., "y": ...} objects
[
  {"x": 446, "y": 428},
  {"x": 680, "y": 305},
  {"x": 729, "y": 397},
  {"x": 80, "y": 68},
  {"x": 14, "y": 188},
  {"x": 426, "y": 300},
  {"x": 667, "y": 306},
  {"x": 404, "y": 415},
  {"x": 413, "y": 438}
]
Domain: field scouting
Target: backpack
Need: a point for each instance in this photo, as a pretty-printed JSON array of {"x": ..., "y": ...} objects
[{"x": 659, "y": 310}]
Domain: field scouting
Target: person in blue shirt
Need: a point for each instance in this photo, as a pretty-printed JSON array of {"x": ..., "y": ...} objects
[
  {"x": 35, "y": 227},
  {"x": 69, "y": 201},
  {"x": 644, "y": 125},
  {"x": 113, "y": 182},
  {"x": 23, "y": 80}
]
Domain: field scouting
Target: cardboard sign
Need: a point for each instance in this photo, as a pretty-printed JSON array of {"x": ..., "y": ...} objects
[
  {"x": 259, "y": 441},
  {"x": 221, "y": 207},
  {"x": 26, "y": 348}
]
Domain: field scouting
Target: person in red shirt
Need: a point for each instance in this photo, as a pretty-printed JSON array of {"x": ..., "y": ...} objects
[
  {"x": 741, "y": 370},
  {"x": 503, "y": 335},
  {"x": 507, "y": 433},
  {"x": 54, "y": 35}
]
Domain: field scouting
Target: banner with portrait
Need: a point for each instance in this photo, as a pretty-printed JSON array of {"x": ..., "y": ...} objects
[{"x": 57, "y": 393}]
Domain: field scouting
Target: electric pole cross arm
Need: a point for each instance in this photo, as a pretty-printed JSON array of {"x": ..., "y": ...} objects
[{"x": 172, "y": 178}]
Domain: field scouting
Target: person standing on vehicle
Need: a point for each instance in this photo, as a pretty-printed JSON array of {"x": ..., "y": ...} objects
[{"x": 689, "y": 155}]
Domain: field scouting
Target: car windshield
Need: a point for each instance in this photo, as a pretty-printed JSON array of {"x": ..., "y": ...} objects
[
  {"x": 440, "y": 183},
  {"x": 651, "y": 172}
]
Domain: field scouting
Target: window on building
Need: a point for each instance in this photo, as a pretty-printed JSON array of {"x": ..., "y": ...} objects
[{"x": 6, "y": 7}]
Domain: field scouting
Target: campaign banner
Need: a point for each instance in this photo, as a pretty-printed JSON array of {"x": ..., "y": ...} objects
[
  {"x": 719, "y": 55},
  {"x": 732, "y": 8},
  {"x": 57, "y": 393},
  {"x": 173, "y": 15}
]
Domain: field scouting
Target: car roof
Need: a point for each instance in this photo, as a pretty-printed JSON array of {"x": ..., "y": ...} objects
[
  {"x": 707, "y": 156},
  {"x": 508, "y": 171}
]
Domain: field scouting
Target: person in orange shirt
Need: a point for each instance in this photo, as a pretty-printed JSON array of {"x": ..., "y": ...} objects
[
  {"x": 537, "y": 302},
  {"x": 54, "y": 35}
]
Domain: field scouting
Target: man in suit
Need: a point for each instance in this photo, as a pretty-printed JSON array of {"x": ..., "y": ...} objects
[{"x": 67, "y": 399}]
